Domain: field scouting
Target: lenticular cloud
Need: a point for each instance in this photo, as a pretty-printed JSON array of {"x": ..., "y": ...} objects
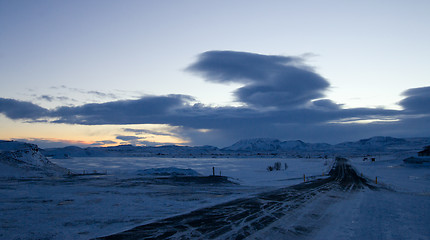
[{"x": 270, "y": 81}]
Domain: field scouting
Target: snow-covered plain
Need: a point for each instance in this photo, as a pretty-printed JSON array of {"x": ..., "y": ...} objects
[
  {"x": 245, "y": 171},
  {"x": 83, "y": 207}
]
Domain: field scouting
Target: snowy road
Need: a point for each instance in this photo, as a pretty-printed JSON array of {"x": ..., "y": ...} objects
[{"x": 292, "y": 212}]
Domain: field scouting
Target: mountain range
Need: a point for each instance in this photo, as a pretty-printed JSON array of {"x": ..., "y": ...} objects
[
  {"x": 25, "y": 159},
  {"x": 249, "y": 147}
]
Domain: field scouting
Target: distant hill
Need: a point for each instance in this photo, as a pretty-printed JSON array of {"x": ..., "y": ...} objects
[
  {"x": 249, "y": 147},
  {"x": 18, "y": 159},
  {"x": 269, "y": 144},
  {"x": 257, "y": 144},
  {"x": 384, "y": 144},
  {"x": 132, "y": 151},
  {"x": 374, "y": 142}
]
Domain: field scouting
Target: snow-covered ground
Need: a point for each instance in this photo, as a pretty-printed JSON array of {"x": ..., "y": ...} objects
[
  {"x": 245, "y": 171},
  {"x": 401, "y": 212},
  {"x": 393, "y": 172},
  {"x": 378, "y": 215},
  {"x": 83, "y": 207}
]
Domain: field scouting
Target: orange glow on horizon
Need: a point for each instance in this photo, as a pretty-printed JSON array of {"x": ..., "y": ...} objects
[{"x": 87, "y": 135}]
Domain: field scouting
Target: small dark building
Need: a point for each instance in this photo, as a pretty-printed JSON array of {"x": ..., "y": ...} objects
[{"x": 425, "y": 152}]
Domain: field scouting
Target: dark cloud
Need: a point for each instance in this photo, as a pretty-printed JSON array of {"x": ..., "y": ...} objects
[
  {"x": 283, "y": 100},
  {"x": 103, "y": 142},
  {"x": 270, "y": 81},
  {"x": 322, "y": 121},
  {"x": 128, "y": 138},
  {"x": 230, "y": 66},
  {"x": 325, "y": 104},
  {"x": 122, "y": 112},
  {"x": 417, "y": 100},
  {"x": 15, "y": 109}
]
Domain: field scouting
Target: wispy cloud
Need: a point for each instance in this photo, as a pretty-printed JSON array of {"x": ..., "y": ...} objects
[
  {"x": 133, "y": 140},
  {"x": 145, "y": 131},
  {"x": 51, "y": 98},
  {"x": 84, "y": 91},
  {"x": 102, "y": 94},
  {"x": 128, "y": 138},
  {"x": 103, "y": 143}
]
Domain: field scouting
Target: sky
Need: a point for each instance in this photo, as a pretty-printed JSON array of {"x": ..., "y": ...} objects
[{"x": 102, "y": 73}]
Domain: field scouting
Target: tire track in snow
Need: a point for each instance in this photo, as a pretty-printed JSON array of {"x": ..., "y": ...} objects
[{"x": 253, "y": 216}]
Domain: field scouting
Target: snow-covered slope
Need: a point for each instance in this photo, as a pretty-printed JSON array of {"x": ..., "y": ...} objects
[
  {"x": 257, "y": 144},
  {"x": 73, "y": 151},
  {"x": 18, "y": 159},
  {"x": 132, "y": 151},
  {"x": 364, "y": 146},
  {"x": 373, "y": 143},
  {"x": 275, "y": 145},
  {"x": 384, "y": 144}
]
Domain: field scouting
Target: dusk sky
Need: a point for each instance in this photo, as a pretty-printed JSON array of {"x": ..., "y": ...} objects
[{"x": 100, "y": 73}]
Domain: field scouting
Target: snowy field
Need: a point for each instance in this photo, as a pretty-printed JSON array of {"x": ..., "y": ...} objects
[
  {"x": 393, "y": 172},
  {"x": 83, "y": 207},
  {"x": 245, "y": 171}
]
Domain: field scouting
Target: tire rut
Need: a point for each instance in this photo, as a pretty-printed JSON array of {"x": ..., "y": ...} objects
[{"x": 243, "y": 217}]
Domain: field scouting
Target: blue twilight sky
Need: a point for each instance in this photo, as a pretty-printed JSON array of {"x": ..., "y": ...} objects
[{"x": 212, "y": 72}]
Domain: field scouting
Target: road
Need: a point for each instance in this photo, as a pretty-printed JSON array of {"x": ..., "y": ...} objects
[{"x": 293, "y": 212}]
